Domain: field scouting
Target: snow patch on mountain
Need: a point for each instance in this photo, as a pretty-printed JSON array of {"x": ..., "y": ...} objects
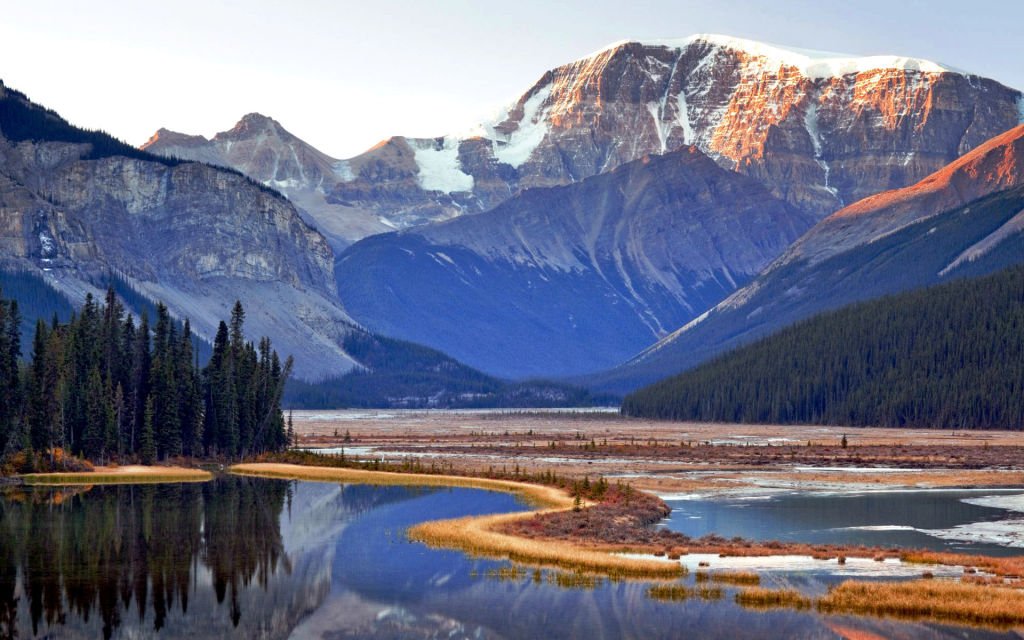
[
  {"x": 683, "y": 118},
  {"x": 343, "y": 169},
  {"x": 1020, "y": 108},
  {"x": 812, "y": 64},
  {"x": 811, "y": 124},
  {"x": 1011, "y": 227},
  {"x": 439, "y": 168},
  {"x": 517, "y": 147}
]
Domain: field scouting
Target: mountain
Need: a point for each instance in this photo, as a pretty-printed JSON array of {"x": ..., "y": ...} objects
[
  {"x": 567, "y": 279},
  {"x": 966, "y": 219},
  {"x": 409, "y": 376},
  {"x": 949, "y": 356},
  {"x": 265, "y": 151},
  {"x": 819, "y": 130},
  {"x": 77, "y": 205}
]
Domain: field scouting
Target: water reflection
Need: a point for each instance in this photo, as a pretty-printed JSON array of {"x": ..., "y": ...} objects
[
  {"x": 175, "y": 559},
  {"x": 245, "y": 558},
  {"x": 907, "y": 519}
]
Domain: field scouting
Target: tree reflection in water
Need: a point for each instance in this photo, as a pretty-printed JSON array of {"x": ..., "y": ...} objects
[{"x": 74, "y": 554}]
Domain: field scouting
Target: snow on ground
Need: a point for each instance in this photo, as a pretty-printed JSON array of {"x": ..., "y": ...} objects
[
  {"x": 343, "y": 170},
  {"x": 516, "y": 148},
  {"x": 439, "y": 168},
  {"x": 862, "y": 567},
  {"x": 1007, "y": 533},
  {"x": 812, "y": 64},
  {"x": 1009, "y": 503}
]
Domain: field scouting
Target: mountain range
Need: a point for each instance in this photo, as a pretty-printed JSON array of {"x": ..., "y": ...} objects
[
  {"x": 649, "y": 186},
  {"x": 966, "y": 219}
]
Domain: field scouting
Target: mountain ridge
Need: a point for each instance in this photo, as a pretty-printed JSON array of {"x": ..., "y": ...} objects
[
  {"x": 964, "y": 218},
  {"x": 560, "y": 278},
  {"x": 819, "y": 130}
]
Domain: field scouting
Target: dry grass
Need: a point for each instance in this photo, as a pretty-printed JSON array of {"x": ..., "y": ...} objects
[
  {"x": 928, "y": 599},
  {"x": 536, "y": 494},
  {"x": 758, "y": 598},
  {"x": 477, "y": 534},
  {"x": 1007, "y": 567},
  {"x": 681, "y": 593},
  {"x": 134, "y": 474},
  {"x": 740, "y": 578}
]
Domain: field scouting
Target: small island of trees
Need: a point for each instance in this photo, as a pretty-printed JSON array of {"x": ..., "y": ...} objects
[{"x": 108, "y": 389}]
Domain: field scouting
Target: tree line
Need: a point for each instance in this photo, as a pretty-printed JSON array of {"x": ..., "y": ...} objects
[
  {"x": 950, "y": 356},
  {"x": 104, "y": 388}
]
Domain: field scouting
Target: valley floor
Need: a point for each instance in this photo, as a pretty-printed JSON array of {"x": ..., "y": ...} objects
[{"x": 670, "y": 458}]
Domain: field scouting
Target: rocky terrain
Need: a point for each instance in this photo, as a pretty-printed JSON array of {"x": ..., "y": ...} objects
[
  {"x": 820, "y": 130},
  {"x": 568, "y": 279},
  {"x": 265, "y": 151},
  {"x": 194, "y": 236},
  {"x": 965, "y": 219}
]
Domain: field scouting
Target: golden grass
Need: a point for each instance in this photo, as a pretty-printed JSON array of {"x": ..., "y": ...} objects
[
  {"x": 928, "y": 599},
  {"x": 477, "y": 535},
  {"x": 759, "y": 598},
  {"x": 135, "y": 474},
  {"x": 740, "y": 578},
  {"x": 681, "y": 593},
  {"x": 536, "y": 494}
]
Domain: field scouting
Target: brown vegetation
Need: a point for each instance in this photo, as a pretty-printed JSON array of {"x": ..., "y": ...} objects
[
  {"x": 681, "y": 593},
  {"x": 758, "y": 598},
  {"x": 742, "y": 578},
  {"x": 928, "y": 599},
  {"x": 131, "y": 474}
]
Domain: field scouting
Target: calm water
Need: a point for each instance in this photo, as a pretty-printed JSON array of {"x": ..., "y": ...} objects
[
  {"x": 907, "y": 519},
  {"x": 249, "y": 558}
]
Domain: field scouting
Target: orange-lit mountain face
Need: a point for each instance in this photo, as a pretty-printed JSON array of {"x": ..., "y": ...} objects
[
  {"x": 965, "y": 219},
  {"x": 819, "y": 130},
  {"x": 994, "y": 166}
]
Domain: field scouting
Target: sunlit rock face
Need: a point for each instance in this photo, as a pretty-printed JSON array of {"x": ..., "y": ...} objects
[
  {"x": 191, "y": 235},
  {"x": 820, "y": 130},
  {"x": 966, "y": 219}
]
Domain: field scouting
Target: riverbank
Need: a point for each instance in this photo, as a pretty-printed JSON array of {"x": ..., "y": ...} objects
[
  {"x": 128, "y": 474},
  {"x": 669, "y": 458},
  {"x": 483, "y": 535}
]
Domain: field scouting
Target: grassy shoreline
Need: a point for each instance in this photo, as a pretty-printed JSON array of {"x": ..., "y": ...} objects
[
  {"x": 134, "y": 474},
  {"x": 480, "y": 535}
]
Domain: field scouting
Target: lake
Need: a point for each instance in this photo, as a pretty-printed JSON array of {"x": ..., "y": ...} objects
[{"x": 252, "y": 558}]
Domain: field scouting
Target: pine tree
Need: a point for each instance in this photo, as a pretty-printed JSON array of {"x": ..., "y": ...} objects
[{"x": 147, "y": 438}]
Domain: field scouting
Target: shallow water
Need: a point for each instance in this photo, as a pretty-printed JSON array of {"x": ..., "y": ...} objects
[
  {"x": 244, "y": 557},
  {"x": 938, "y": 520}
]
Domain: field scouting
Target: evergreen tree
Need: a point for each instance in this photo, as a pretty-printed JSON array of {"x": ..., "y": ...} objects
[{"x": 147, "y": 438}]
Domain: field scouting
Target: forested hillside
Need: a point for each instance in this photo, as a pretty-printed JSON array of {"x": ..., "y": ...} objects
[{"x": 950, "y": 356}]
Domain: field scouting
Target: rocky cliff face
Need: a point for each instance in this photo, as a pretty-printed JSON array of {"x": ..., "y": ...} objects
[
  {"x": 819, "y": 130},
  {"x": 562, "y": 280},
  {"x": 265, "y": 151},
  {"x": 966, "y": 219},
  {"x": 191, "y": 235}
]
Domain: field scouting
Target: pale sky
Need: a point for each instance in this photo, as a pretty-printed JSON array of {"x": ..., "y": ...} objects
[{"x": 345, "y": 75}]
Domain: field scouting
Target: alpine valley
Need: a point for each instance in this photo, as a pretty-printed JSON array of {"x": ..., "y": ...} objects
[{"x": 616, "y": 201}]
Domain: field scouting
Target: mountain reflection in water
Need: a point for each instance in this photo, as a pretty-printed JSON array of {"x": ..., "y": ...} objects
[
  {"x": 179, "y": 559},
  {"x": 254, "y": 558}
]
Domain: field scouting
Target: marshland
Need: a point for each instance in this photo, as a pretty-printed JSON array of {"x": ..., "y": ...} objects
[{"x": 378, "y": 542}]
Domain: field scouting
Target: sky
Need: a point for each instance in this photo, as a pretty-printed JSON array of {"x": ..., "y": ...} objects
[{"x": 344, "y": 75}]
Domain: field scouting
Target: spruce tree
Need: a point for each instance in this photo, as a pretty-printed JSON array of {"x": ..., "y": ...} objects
[{"x": 147, "y": 438}]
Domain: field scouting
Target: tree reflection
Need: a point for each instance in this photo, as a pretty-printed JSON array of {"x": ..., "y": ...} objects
[{"x": 120, "y": 551}]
